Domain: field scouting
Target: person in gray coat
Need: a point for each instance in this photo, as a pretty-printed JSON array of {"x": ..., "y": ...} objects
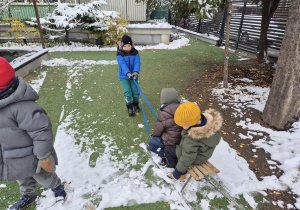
[
  {"x": 26, "y": 150},
  {"x": 166, "y": 132}
]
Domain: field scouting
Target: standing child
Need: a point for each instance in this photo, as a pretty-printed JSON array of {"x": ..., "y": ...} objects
[
  {"x": 200, "y": 135},
  {"x": 166, "y": 132},
  {"x": 129, "y": 68},
  {"x": 26, "y": 151}
]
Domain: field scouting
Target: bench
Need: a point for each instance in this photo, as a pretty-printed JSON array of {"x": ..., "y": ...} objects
[{"x": 200, "y": 171}]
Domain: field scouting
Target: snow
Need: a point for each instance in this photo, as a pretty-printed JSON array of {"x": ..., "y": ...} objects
[
  {"x": 38, "y": 82},
  {"x": 283, "y": 146},
  {"x": 176, "y": 44},
  {"x": 198, "y": 34},
  {"x": 243, "y": 59},
  {"x": 245, "y": 80},
  {"x": 115, "y": 187},
  {"x": 252, "y": 96},
  {"x": 25, "y": 58},
  {"x": 65, "y": 62},
  {"x": 87, "y": 16},
  {"x": 230, "y": 50},
  {"x": 2, "y": 185},
  {"x": 140, "y": 125},
  {"x": 149, "y": 25}
]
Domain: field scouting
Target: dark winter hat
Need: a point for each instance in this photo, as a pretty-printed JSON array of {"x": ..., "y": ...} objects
[
  {"x": 126, "y": 40},
  {"x": 7, "y": 73},
  {"x": 168, "y": 95}
]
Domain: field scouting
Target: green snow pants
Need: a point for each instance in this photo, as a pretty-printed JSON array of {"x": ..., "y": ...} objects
[{"x": 131, "y": 91}]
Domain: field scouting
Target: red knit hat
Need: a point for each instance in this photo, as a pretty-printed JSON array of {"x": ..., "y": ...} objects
[{"x": 7, "y": 73}]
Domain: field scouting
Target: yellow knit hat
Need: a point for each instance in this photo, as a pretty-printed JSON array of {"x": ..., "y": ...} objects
[{"x": 187, "y": 114}]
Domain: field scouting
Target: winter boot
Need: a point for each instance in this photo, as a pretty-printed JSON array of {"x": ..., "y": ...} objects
[
  {"x": 130, "y": 110},
  {"x": 24, "y": 202},
  {"x": 136, "y": 107},
  {"x": 60, "y": 192},
  {"x": 181, "y": 178},
  {"x": 163, "y": 162}
]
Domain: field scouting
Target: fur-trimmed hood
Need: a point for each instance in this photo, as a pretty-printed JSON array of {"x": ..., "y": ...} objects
[{"x": 213, "y": 124}]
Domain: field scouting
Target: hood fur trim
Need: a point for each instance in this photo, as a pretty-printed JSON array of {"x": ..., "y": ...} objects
[{"x": 213, "y": 124}]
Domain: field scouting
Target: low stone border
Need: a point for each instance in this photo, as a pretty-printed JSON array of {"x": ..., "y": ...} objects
[{"x": 29, "y": 62}]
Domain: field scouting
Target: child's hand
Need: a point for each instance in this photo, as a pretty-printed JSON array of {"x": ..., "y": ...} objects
[
  {"x": 129, "y": 75},
  {"x": 135, "y": 74},
  {"x": 46, "y": 162}
]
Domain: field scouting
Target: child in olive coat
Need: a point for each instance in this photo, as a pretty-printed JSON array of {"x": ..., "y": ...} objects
[{"x": 200, "y": 135}]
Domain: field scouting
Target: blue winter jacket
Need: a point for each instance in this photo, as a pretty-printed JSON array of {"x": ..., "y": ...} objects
[{"x": 129, "y": 62}]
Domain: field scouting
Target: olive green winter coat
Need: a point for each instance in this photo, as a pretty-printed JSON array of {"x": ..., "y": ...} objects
[{"x": 198, "y": 144}]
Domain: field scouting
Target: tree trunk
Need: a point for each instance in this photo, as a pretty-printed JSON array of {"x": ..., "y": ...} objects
[
  {"x": 226, "y": 57},
  {"x": 67, "y": 36},
  {"x": 268, "y": 9},
  {"x": 283, "y": 104},
  {"x": 39, "y": 24}
]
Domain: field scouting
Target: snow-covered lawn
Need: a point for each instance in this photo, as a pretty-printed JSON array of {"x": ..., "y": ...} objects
[{"x": 122, "y": 173}]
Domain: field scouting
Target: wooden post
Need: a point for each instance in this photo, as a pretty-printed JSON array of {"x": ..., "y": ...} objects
[
  {"x": 221, "y": 36},
  {"x": 226, "y": 57},
  {"x": 241, "y": 25},
  {"x": 185, "y": 183},
  {"x": 199, "y": 26},
  {"x": 39, "y": 24}
]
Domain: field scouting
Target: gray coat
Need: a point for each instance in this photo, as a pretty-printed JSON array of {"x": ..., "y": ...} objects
[{"x": 25, "y": 133}]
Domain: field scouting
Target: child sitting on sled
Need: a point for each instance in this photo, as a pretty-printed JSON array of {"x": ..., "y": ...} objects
[
  {"x": 166, "y": 132},
  {"x": 26, "y": 151},
  {"x": 200, "y": 135}
]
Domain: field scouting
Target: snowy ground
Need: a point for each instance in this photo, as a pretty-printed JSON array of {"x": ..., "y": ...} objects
[
  {"x": 126, "y": 187},
  {"x": 80, "y": 47},
  {"x": 284, "y": 146}
]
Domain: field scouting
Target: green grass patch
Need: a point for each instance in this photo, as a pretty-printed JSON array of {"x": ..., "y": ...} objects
[{"x": 149, "y": 206}]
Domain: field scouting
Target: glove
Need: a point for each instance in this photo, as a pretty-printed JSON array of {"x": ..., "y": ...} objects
[
  {"x": 129, "y": 75},
  {"x": 135, "y": 74},
  {"x": 46, "y": 162},
  {"x": 177, "y": 174}
]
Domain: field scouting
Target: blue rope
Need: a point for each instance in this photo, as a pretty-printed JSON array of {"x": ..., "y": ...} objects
[
  {"x": 145, "y": 117},
  {"x": 145, "y": 98}
]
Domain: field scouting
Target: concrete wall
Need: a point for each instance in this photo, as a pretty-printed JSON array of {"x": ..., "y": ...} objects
[
  {"x": 31, "y": 66},
  {"x": 150, "y": 35},
  {"x": 143, "y": 36}
]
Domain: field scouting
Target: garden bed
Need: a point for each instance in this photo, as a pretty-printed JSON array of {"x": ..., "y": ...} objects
[{"x": 24, "y": 61}]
